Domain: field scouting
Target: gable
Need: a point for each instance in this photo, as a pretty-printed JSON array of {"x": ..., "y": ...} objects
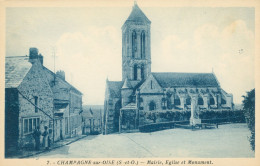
[
  {"x": 151, "y": 85},
  {"x": 36, "y": 79}
]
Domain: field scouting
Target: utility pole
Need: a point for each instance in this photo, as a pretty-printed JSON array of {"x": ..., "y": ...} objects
[{"x": 54, "y": 65}]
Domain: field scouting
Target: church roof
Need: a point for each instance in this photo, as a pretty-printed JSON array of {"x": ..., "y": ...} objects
[
  {"x": 173, "y": 79},
  {"x": 137, "y": 15},
  {"x": 114, "y": 88},
  {"x": 127, "y": 84},
  {"x": 16, "y": 68}
]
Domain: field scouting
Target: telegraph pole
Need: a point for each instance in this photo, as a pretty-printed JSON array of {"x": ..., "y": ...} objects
[{"x": 53, "y": 119}]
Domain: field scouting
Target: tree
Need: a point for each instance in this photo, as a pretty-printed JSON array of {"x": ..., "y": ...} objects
[{"x": 249, "y": 111}]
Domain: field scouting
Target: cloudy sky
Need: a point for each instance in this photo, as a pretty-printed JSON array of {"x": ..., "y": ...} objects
[{"x": 88, "y": 45}]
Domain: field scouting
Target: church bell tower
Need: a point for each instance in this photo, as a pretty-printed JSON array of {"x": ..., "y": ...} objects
[{"x": 136, "y": 47}]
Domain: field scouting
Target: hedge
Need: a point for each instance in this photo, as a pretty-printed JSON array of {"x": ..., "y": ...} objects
[
  {"x": 216, "y": 116},
  {"x": 156, "y": 126}
]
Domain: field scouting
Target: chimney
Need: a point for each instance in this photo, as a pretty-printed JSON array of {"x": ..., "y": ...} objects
[
  {"x": 34, "y": 55},
  {"x": 41, "y": 58},
  {"x": 61, "y": 74}
]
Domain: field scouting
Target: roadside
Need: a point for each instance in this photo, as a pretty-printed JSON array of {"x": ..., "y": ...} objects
[{"x": 25, "y": 153}]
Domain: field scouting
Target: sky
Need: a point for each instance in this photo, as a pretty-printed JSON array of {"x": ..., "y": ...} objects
[{"x": 87, "y": 43}]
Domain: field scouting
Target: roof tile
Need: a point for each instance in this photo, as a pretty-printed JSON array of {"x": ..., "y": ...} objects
[{"x": 16, "y": 68}]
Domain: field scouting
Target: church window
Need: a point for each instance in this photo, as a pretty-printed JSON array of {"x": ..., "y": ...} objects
[
  {"x": 163, "y": 103},
  {"x": 143, "y": 44},
  {"x": 135, "y": 72},
  {"x": 188, "y": 101},
  {"x": 211, "y": 100},
  {"x": 134, "y": 47},
  {"x": 152, "y": 106},
  {"x": 169, "y": 103},
  {"x": 200, "y": 101},
  {"x": 142, "y": 72},
  {"x": 151, "y": 84},
  {"x": 223, "y": 100},
  {"x": 177, "y": 100},
  {"x": 141, "y": 102}
]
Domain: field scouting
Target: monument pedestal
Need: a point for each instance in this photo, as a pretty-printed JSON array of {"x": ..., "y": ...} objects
[{"x": 194, "y": 121}]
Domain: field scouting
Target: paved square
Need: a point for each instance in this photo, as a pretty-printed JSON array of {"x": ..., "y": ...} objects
[{"x": 228, "y": 141}]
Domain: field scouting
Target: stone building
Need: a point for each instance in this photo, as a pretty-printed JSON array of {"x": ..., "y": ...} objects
[
  {"x": 35, "y": 96},
  {"x": 142, "y": 90},
  {"x": 25, "y": 85},
  {"x": 92, "y": 117},
  {"x": 67, "y": 105}
]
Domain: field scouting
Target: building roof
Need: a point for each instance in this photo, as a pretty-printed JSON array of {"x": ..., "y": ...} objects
[
  {"x": 127, "y": 84},
  {"x": 48, "y": 71},
  {"x": 16, "y": 68},
  {"x": 167, "y": 80},
  {"x": 96, "y": 113},
  {"x": 87, "y": 114},
  {"x": 114, "y": 88},
  {"x": 92, "y": 112},
  {"x": 137, "y": 15}
]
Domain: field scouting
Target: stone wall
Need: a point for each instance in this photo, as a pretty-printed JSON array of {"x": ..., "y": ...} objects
[{"x": 34, "y": 85}]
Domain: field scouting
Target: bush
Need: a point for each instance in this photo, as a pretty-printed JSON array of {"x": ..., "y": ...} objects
[
  {"x": 211, "y": 116},
  {"x": 222, "y": 116},
  {"x": 156, "y": 126},
  {"x": 249, "y": 111}
]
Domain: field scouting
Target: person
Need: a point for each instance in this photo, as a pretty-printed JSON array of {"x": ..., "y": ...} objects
[
  {"x": 37, "y": 136},
  {"x": 45, "y": 140}
]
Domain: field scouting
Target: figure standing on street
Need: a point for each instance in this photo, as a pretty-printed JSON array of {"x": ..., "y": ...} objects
[
  {"x": 37, "y": 136},
  {"x": 45, "y": 140}
]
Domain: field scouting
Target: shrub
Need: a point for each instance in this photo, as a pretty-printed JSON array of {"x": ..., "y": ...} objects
[
  {"x": 249, "y": 111},
  {"x": 207, "y": 116}
]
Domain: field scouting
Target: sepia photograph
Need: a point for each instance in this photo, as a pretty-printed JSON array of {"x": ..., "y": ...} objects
[{"x": 132, "y": 79}]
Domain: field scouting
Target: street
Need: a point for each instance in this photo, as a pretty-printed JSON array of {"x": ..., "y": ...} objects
[{"x": 228, "y": 140}]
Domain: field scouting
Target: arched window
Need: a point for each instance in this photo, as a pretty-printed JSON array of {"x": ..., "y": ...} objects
[
  {"x": 223, "y": 100},
  {"x": 152, "y": 106},
  {"x": 200, "y": 101},
  {"x": 163, "y": 103},
  {"x": 141, "y": 103},
  {"x": 177, "y": 100},
  {"x": 142, "y": 72},
  {"x": 211, "y": 100},
  {"x": 169, "y": 103},
  {"x": 134, "y": 48},
  {"x": 143, "y": 44},
  {"x": 135, "y": 72},
  {"x": 188, "y": 101}
]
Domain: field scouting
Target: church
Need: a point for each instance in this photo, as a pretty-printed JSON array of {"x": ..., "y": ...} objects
[{"x": 143, "y": 91}]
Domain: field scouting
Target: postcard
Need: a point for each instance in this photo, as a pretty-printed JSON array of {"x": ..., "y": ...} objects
[{"x": 129, "y": 82}]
